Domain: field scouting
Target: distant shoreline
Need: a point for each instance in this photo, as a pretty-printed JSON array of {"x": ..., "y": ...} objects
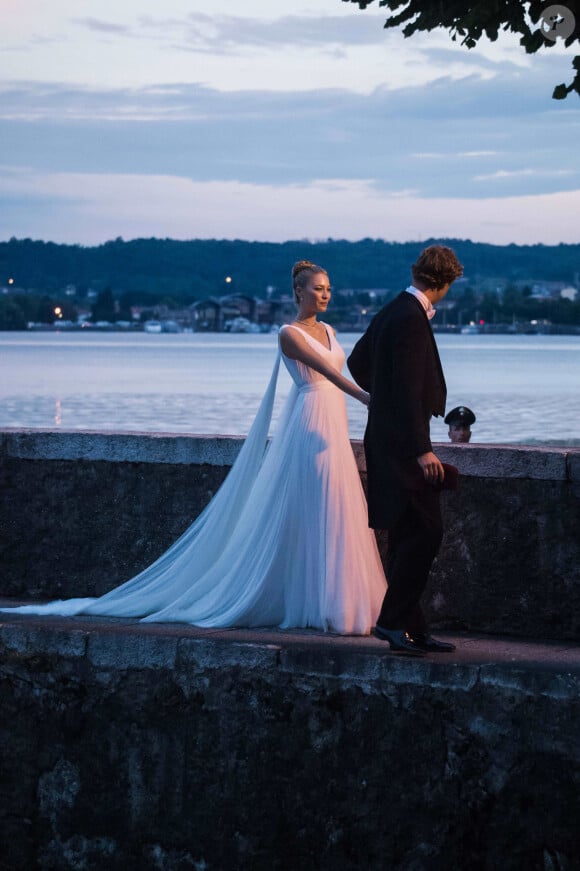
[{"x": 500, "y": 329}]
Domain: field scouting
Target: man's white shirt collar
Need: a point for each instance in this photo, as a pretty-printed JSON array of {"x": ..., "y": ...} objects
[{"x": 425, "y": 302}]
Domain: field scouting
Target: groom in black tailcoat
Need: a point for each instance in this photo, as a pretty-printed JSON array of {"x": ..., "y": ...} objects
[{"x": 397, "y": 361}]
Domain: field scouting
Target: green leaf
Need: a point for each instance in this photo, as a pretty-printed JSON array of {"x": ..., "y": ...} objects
[{"x": 560, "y": 92}]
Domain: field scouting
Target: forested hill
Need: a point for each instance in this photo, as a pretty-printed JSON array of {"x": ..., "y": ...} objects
[{"x": 198, "y": 268}]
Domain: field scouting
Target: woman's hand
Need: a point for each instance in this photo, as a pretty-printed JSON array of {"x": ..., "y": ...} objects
[{"x": 365, "y": 397}]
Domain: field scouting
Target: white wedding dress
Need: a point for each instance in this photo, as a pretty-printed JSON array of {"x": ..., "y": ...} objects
[{"x": 284, "y": 542}]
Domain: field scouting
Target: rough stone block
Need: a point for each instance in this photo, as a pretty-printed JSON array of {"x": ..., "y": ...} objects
[
  {"x": 200, "y": 654},
  {"x": 132, "y": 447},
  {"x": 332, "y": 661},
  {"x": 531, "y": 682},
  {"x": 29, "y": 639},
  {"x": 122, "y": 650},
  {"x": 506, "y": 461}
]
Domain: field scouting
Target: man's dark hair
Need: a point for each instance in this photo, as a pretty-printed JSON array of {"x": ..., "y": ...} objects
[{"x": 436, "y": 266}]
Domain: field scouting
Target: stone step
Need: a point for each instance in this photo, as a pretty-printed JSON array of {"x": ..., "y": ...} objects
[{"x": 122, "y": 643}]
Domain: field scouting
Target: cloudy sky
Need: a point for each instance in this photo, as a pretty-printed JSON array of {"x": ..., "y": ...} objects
[{"x": 275, "y": 120}]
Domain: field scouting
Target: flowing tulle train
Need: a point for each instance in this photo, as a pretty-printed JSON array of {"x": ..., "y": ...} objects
[{"x": 284, "y": 542}]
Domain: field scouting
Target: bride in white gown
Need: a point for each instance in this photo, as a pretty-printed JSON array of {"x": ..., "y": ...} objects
[{"x": 285, "y": 541}]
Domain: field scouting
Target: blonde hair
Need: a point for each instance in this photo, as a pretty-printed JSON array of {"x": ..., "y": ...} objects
[{"x": 301, "y": 272}]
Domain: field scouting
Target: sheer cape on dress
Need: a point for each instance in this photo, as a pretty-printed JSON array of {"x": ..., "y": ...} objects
[{"x": 284, "y": 542}]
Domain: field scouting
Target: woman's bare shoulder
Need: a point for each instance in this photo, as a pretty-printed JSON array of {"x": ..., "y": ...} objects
[
  {"x": 288, "y": 335},
  {"x": 293, "y": 342},
  {"x": 291, "y": 330}
]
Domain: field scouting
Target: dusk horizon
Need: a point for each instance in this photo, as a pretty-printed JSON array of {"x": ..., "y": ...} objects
[{"x": 272, "y": 124}]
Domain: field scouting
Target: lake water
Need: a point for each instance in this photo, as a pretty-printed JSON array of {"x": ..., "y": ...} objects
[{"x": 523, "y": 389}]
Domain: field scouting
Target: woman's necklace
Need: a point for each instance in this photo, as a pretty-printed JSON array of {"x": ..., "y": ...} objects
[{"x": 314, "y": 324}]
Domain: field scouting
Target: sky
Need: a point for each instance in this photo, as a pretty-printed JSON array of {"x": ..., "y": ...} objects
[{"x": 269, "y": 120}]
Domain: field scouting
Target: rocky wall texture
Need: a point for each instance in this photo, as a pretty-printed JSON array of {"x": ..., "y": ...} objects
[
  {"x": 80, "y": 514},
  {"x": 510, "y": 559},
  {"x": 135, "y": 748},
  {"x": 81, "y": 527}
]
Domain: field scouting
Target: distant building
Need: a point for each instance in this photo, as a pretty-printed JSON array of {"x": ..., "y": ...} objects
[
  {"x": 217, "y": 314},
  {"x": 542, "y": 289}
]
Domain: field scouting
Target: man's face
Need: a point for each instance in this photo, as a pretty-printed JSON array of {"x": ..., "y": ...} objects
[{"x": 459, "y": 433}]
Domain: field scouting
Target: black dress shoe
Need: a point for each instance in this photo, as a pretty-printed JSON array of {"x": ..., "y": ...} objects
[
  {"x": 432, "y": 645},
  {"x": 399, "y": 641}
]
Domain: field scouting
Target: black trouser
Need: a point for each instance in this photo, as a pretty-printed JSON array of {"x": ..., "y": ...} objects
[{"x": 413, "y": 544}]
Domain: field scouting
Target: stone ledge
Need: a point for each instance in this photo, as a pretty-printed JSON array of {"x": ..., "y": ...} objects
[
  {"x": 26, "y": 639},
  {"x": 484, "y": 461},
  {"x": 113, "y": 650},
  {"x": 115, "y": 644},
  {"x": 170, "y": 448}
]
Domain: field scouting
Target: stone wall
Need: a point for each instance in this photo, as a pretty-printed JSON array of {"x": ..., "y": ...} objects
[
  {"x": 174, "y": 749},
  {"x": 82, "y": 512}
]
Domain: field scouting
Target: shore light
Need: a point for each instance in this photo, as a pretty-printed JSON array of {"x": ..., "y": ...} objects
[
  {"x": 58, "y": 311},
  {"x": 10, "y": 281},
  {"x": 228, "y": 279}
]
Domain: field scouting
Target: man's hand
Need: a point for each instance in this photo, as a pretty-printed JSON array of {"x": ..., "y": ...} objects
[{"x": 433, "y": 471}]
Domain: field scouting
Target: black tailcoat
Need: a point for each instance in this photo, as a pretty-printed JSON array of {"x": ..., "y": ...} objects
[{"x": 397, "y": 361}]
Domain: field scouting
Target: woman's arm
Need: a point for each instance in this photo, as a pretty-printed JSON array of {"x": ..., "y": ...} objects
[
  {"x": 295, "y": 346},
  {"x": 359, "y": 361}
]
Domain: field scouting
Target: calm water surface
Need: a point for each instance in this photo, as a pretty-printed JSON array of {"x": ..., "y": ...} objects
[{"x": 522, "y": 388}]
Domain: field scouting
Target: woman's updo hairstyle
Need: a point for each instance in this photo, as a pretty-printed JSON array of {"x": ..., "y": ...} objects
[{"x": 301, "y": 272}]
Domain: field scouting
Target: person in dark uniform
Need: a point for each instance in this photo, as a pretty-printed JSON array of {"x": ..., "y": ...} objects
[
  {"x": 397, "y": 361},
  {"x": 459, "y": 421}
]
